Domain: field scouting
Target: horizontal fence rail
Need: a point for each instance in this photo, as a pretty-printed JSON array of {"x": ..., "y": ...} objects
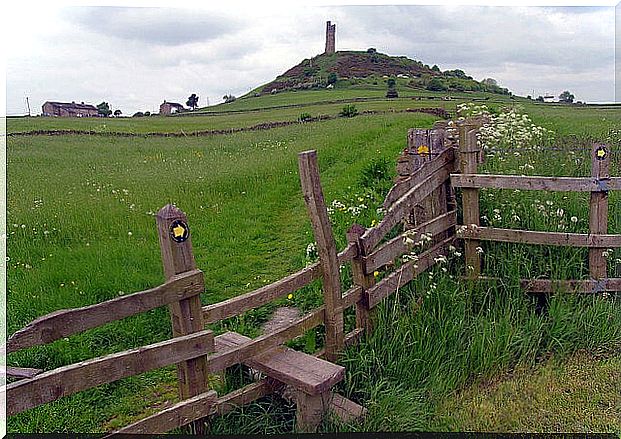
[
  {"x": 64, "y": 323},
  {"x": 266, "y": 294},
  {"x": 561, "y": 184},
  {"x": 535, "y": 237},
  {"x": 51, "y": 385}
]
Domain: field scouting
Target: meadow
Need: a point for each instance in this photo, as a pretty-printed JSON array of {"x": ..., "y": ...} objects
[{"x": 81, "y": 230}]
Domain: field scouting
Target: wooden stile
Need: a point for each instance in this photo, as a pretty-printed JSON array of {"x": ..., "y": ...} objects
[
  {"x": 468, "y": 160},
  {"x": 396, "y": 247},
  {"x": 64, "y": 323},
  {"x": 186, "y": 314},
  {"x": 326, "y": 247},
  {"x": 401, "y": 207},
  {"x": 598, "y": 209}
]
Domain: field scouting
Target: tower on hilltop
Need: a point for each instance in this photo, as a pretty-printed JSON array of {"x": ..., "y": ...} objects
[{"x": 330, "y": 37}]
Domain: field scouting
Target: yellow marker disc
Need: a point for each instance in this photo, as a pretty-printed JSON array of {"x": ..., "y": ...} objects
[
  {"x": 179, "y": 231},
  {"x": 423, "y": 149},
  {"x": 600, "y": 153}
]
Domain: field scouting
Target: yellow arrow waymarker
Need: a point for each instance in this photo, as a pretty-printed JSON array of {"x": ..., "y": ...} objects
[
  {"x": 423, "y": 149},
  {"x": 601, "y": 153},
  {"x": 178, "y": 231}
]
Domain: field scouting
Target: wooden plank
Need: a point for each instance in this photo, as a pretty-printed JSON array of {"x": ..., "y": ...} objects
[
  {"x": 354, "y": 336},
  {"x": 310, "y": 410},
  {"x": 543, "y": 238},
  {"x": 186, "y": 314},
  {"x": 238, "y": 355},
  {"x": 51, "y": 385},
  {"x": 360, "y": 278},
  {"x": 21, "y": 372},
  {"x": 598, "y": 210},
  {"x": 304, "y": 372},
  {"x": 589, "y": 286},
  {"x": 231, "y": 401},
  {"x": 352, "y": 296},
  {"x": 261, "y": 296},
  {"x": 180, "y": 414},
  {"x": 397, "y": 247},
  {"x": 276, "y": 290},
  {"x": 400, "y": 208},
  {"x": 468, "y": 160},
  {"x": 445, "y": 158},
  {"x": 561, "y": 184},
  {"x": 64, "y": 323},
  {"x": 347, "y": 410},
  {"x": 405, "y": 273},
  {"x": 326, "y": 247}
]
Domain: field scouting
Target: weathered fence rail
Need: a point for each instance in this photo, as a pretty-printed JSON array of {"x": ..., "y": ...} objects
[{"x": 422, "y": 201}]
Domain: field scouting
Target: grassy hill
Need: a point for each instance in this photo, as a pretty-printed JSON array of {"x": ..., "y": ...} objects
[{"x": 354, "y": 68}]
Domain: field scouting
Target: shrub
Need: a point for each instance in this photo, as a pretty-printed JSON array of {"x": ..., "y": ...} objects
[
  {"x": 436, "y": 84},
  {"x": 371, "y": 50},
  {"x": 332, "y": 77},
  {"x": 391, "y": 82},
  {"x": 392, "y": 93},
  {"x": 138, "y": 114},
  {"x": 349, "y": 111},
  {"x": 305, "y": 117}
]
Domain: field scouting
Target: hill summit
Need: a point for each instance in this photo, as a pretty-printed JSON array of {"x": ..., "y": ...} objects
[{"x": 351, "y": 68}]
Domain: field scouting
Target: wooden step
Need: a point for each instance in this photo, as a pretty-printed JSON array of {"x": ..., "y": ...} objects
[{"x": 304, "y": 372}]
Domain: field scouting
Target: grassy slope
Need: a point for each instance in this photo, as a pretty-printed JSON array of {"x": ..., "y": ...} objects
[{"x": 241, "y": 194}]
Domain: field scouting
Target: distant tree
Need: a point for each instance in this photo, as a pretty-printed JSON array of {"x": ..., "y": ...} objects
[
  {"x": 490, "y": 82},
  {"x": 228, "y": 98},
  {"x": 138, "y": 114},
  {"x": 147, "y": 113},
  {"x": 192, "y": 101},
  {"x": 104, "y": 109},
  {"x": 371, "y": 50},
  {"x": 566, "y": 97},
  {"x": 539, "y": 98},
  {"x": 332, "y": 78},
  {"x": 435, "y": 68},
  {"x": 529, "y": 97},
  {"x": 436, "y": 84},
  {"x": 117, "y": 113},
  {"x": 391, "y": 82}
]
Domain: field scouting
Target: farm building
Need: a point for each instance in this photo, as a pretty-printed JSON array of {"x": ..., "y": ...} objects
[
  {"x": 170, "y": 108},
  {"x": 69, "y": 109}
]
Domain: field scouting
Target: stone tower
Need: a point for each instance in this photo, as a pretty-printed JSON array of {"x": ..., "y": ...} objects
[{"x": 330, "y": 37}]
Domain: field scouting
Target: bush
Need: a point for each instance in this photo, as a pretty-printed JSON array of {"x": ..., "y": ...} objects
[
  {"x": 392, "y": 93},
  {"x": 138, "y": 114},
  {"x": 391, "y": 82},
  {"x": 371, "y": 50},
  {"x": 305, "y": 117},
  {"x": 332, "y": 78},
  {"x": 436, "y": 84},
  {"x": 349, "y": 111}
]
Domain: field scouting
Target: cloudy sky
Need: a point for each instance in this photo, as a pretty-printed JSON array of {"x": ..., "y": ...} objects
[{"x": 135, "y": 57}]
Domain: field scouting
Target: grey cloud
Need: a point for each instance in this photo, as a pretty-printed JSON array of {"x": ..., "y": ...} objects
[{"x": 166, "y": 26}]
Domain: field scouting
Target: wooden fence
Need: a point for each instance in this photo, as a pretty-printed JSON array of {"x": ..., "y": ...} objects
[
  {"x": 597, "y": 240},
  {"x": 422, "y": 200}
]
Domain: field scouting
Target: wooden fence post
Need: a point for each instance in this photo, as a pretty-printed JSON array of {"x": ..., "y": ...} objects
[
  {"x": 187, "y": 314},
  {"x": 366, "y": 281},
  {"x": 598, "y": 209},
  {"x": 468, "y": 159},
  {"x": 326, "y": 247}
]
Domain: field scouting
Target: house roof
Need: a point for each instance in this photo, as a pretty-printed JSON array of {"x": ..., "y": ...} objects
[
  {"x": 72, "y": 105},
  {"x": 174, "y": 104}
]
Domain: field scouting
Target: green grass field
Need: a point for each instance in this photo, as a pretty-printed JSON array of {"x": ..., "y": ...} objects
[{"x": 81, "y": 230}]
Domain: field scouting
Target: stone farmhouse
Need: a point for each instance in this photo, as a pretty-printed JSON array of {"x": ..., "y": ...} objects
[
  {"x": 167, "y": 108},
  {"x": 69, "y": 109}
]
